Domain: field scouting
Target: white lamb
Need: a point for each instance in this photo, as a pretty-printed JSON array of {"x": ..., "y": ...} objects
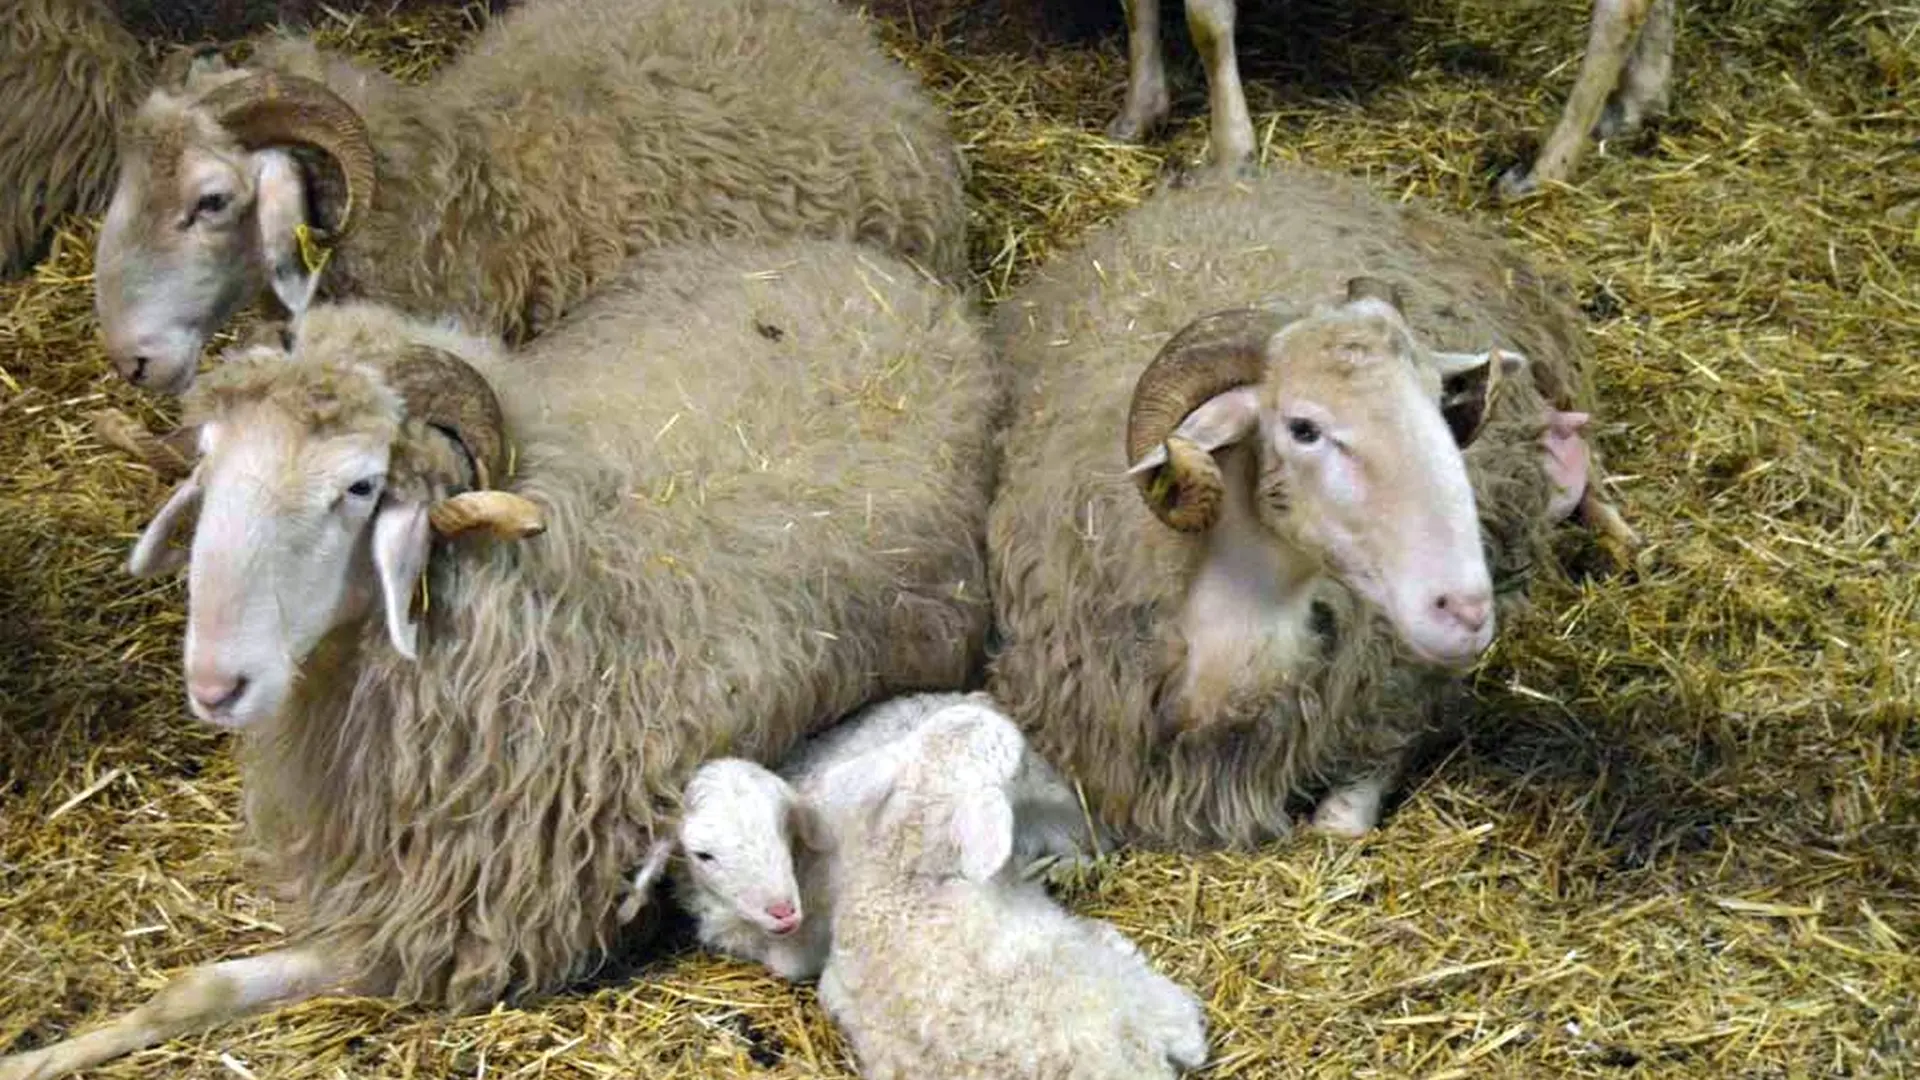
[
  {"x": 758, "y": 844},
  {"x": 943, "y": 967}
]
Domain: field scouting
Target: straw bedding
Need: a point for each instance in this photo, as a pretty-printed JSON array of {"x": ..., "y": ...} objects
[{"x": 1683, "y": 835}]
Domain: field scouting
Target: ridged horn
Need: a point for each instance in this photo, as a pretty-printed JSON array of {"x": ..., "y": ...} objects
[
  {"x": 1373, "y": 288},
  {"x": 271, "y": 107},
  {"x": 1209, "y": 356},
  {"x": 441, "y": 389},
  {"x": 444, "y": 391}
]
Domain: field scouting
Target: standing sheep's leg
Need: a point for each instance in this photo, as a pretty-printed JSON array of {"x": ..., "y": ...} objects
[
  {"x": 1147, "y": 102},
  {"x": 1353, "y": 809},
  {"x": 1231, "y": 135},
  {"x": 1609, "y": 37},
  {"x": 1643, "y": 89},
  {"x": 202, "y": 998}
]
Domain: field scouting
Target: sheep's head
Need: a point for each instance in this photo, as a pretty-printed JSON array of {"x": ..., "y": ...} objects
[
  {"x": 320, "y": 485},
  {"x": 1355, "y": 435},
  {"x": 206, "y": 207},
  {"x": 738, "y": 831},
  {"x": 941, "y": 792}
]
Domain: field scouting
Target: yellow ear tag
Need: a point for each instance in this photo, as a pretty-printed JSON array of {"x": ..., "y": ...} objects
[
  {"x": 311, "y": 253},
  {"x": 1161, "y": 484}
]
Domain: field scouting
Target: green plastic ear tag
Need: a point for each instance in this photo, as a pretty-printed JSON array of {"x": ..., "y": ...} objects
[
  {"x": 1160, "y": 486},
  {"x": 311, "y": 253}
]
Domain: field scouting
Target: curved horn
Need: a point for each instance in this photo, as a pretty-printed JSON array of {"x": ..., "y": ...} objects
[
  {"x": 1373, "y": 288},
  {"x": 443, "y": 390},
  {"x": 271, "y": 107},
  {"x": 1209, "y": 356}
]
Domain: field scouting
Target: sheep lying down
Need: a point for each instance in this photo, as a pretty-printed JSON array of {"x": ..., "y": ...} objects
[
  {"x": 1017, "y": 987},
  {"x": 758, "y": 844},
  {"x": 479, "y": 613}
]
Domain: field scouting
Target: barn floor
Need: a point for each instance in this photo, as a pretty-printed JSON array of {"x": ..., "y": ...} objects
[{"x": 1683, "y": 838}]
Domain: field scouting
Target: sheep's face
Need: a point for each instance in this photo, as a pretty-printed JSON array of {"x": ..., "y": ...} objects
[
  {"x": 206, "y": 209},
  {"x": 1350, "y": 460},
  {"x": 738, "y": 832},
  {"x": 178, "y": 252},
  {"x": 301, "y": 527}
]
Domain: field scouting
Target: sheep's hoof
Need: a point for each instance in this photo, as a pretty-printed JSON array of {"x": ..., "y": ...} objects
[
  {"x": 1348, "y": 815},
  {"x": 1518, "y": 183}
]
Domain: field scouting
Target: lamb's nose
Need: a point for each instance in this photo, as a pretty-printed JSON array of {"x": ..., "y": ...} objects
[{"x": 1470, "y": 610}]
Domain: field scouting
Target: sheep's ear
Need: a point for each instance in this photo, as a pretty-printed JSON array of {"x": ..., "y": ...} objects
[
  {"x": 280, "y": 209},
  {"x": 1469, "y": 385},
  {"x": 1221, "y": 420},
  {"x": 152, "y": 554},
  {"x": 810, "y": 825},
  {"x": 402, "y": 540},
  {"x": 982, "y": 830}
]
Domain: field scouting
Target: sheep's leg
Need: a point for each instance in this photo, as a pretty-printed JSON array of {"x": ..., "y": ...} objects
[
  {"x": 202, "y": 998},
  {"x": 1147, "y": 101},
  {"x": 1231, "y": 135},
  {"x": 1353, "y": 809},
  {"x": 1609, "y": 37},
  {"x": 1643, "y": 88}
]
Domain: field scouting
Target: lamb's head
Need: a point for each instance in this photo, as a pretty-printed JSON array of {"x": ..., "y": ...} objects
[
  {"x": 940, "y": 796},
  {"x": 322, "y": 479},
  {"x": 1349, "y": 436},
  {"x": 738, "y": 829},
  {"x": 205, "y": 210}
]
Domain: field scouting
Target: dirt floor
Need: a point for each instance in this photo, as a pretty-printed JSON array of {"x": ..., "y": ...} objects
[{"x": 1683, "y": 836}]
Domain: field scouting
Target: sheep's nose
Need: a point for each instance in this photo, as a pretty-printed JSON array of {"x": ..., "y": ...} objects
[
  {"x": 216, "y": 692},
  {"x": 1469, "y": 609},
  {"x": 783, "y": 915},
  {"x": 132, "y": 367}
]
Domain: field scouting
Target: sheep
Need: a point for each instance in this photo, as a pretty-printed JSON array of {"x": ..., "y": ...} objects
[
  {"x": 1623, "y": 82},
  {"x": 749, "y": 485},
  {"x": 70, "y": 71},
  {"x": 944, "y": 966},
  {"x": 758, "y": 843},
  {"x": 569, "y": 135},
  {"x": 1264, "y": 594}
]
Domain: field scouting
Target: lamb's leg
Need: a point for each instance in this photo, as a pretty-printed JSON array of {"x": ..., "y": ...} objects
[
  {"x": 1353, "y": 809},
  {"x": 1609, "y": 37},
  {"x": 1147, "y": 101},
  {"x": 1211, "y": 23},
  {"x": 200, "y": 999},
  {"x": 1643, "y": 89}
]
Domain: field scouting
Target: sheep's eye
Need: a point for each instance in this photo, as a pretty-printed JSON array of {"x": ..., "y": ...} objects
[
  {"x": 211, "y": 203},
  {"x": 703, "y": 856},
  {"x": 360, "y": 489},
  {"x": 1304, "y": 432}
]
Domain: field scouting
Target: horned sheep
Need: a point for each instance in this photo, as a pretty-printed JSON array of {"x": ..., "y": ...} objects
[
  {"x": 1623, "y": 82},
  {"x": 762, "y": 475},
  {"x": 569, "y": 135},
  {"x": 72, "y": 70},
  {"x": 758, "y": 844},
  {"x": 1263, "y": 591},
  {"x": 945, "y": 966}
]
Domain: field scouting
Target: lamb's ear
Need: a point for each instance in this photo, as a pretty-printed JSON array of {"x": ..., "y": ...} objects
[
  {"x": 152, "y": 554},
  {"x": 982, "y": 830},
  {"x": 280, "y": 209},
  {"x": 402, "y": 541},
  {"x": 1469, "y": 385},
  {"x": 809, "y": 824},
  {"x": 1221, "y": 420}
]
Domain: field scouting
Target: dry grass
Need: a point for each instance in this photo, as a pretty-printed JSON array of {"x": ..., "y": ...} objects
[{"x": 1684, "y": 836}]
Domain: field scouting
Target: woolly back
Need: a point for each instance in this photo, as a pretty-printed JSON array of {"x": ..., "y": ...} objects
[
  {"x": 765, "y": 474},
  {"x": 572, "y": 134},
  {"x": 1089, "y": 585}
]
